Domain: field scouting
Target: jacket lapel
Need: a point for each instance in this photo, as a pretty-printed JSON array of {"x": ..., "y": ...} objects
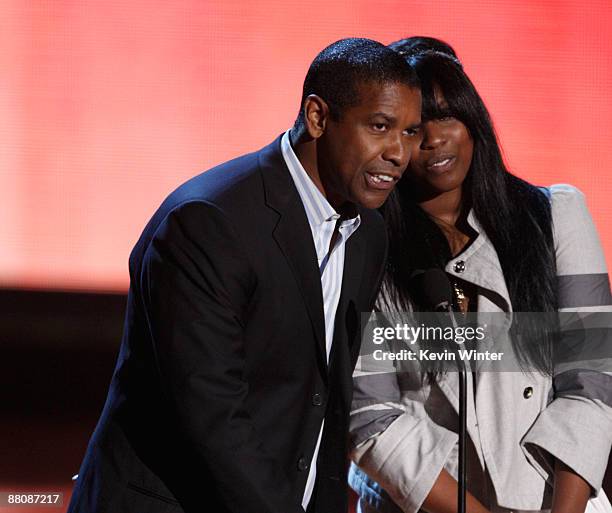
[
  {"x": 294, "y": 237},
  {"x": 354, "y": 259},
  {"x": 347, "y": 323}
]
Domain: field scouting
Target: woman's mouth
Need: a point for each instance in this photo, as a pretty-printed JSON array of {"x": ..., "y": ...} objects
[{"x": 439, "y": 165}]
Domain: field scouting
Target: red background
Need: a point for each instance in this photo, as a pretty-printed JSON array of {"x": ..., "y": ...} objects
[{"x": 106, "y": 106}]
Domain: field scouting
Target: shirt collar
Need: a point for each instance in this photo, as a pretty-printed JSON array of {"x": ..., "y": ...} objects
[{"x": 318, "y": 209}]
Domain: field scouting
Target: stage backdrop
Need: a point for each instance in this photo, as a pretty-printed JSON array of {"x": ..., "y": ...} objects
[{"x": 106, "y": 106}]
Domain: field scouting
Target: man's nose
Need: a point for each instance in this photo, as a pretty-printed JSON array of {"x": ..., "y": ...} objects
[
  {"x": 433, "y": 136},
  {"x": 397, "y": 151}
]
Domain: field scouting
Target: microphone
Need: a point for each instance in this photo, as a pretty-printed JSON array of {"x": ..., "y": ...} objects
[
  {"x": 437, "y": 293},
  {"x": 436, "y": 290}
]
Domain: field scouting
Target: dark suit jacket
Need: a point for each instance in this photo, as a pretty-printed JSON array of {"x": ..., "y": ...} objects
[{"x": 221, "y": 382}]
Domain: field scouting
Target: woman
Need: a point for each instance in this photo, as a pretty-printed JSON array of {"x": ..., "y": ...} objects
[{"x": 537, "y": 440}]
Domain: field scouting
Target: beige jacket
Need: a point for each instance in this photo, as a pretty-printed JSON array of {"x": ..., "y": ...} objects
[{"x": 405, "y": 432}]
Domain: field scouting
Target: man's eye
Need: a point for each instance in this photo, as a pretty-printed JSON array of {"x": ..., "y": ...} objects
[
  {"x": 380, "y": 127},
  {"x": 412, "y": 132}
]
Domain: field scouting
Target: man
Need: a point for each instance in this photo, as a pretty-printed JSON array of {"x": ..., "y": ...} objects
[{"x": 233, "y": 383}]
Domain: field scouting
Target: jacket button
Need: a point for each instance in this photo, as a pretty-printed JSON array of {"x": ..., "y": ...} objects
[
  {"x": 302, "y": 464},
  {"x": 317, "y": 400},
  {"x": 459, "y": 266},
  {"x": 528, "y": 392}
]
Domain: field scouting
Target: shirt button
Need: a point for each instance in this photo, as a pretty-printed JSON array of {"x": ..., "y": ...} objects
[
  {"x": 459, "y": 266},
  {"x": 528, "y": 392},
  {"x": 317, "y": 400},
  {"x": 302, "y": 464}
]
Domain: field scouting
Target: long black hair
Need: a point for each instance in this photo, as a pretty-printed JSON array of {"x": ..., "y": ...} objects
[{"x": 515, "y": 215}]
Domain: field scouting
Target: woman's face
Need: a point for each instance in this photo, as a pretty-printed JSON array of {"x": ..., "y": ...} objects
[{"x": 441, "y": 163}]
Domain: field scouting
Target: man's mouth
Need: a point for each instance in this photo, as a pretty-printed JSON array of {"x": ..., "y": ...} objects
[
  {"x": 382, "y": 178},
  {"x": 381, "y": 181}
]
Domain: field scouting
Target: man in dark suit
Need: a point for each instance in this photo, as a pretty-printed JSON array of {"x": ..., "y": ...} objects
[{"x": 233, "y": 383}]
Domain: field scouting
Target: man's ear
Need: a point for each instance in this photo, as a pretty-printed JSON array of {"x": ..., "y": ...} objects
[{"x": 316, "y": 115}]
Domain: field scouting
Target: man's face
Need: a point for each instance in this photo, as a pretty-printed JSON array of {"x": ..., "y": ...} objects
[{"x": 363, "y": 155}]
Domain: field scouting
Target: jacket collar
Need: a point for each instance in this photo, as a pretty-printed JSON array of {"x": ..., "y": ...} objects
[{"x": 479, "y": 264}]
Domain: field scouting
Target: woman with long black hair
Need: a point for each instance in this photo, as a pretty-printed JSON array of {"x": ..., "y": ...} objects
[{"x": 538, "y": 440}]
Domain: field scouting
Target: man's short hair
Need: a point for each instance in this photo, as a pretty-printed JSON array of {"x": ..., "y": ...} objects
[{"x": 337, "y": 72}]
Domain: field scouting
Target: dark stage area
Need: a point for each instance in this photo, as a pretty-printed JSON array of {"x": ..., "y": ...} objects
[{"x": 58, "y": 353}]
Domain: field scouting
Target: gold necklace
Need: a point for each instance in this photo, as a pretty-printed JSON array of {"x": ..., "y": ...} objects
[{"x": 460, "y": 297}]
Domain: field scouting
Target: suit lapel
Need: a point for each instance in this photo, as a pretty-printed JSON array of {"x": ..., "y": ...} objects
[
  {"x": 354, "y": 259},
  {"x": 347, "y": 316},
  {"x": 294, "y": 237},
  {"x": 347, "y": 322}
]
